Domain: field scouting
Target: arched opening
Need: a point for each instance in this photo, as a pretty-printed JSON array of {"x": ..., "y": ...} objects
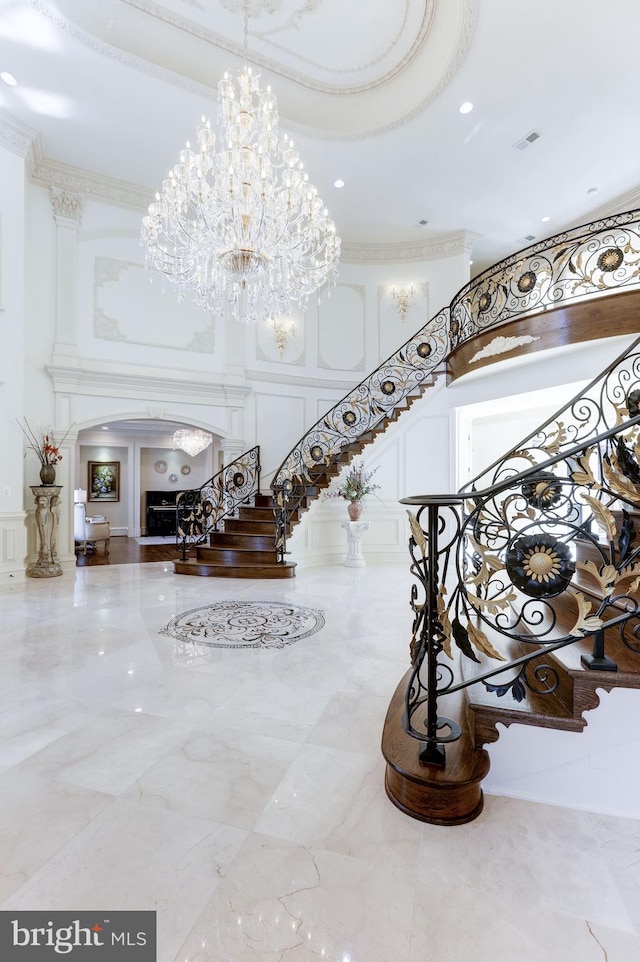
[{"x": 128, "y": 473}]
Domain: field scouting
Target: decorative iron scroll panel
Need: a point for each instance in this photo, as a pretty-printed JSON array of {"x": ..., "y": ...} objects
[
  {"x": 596, "y": 259},
  {"x": 200, "y": 510},
  {"x": 360, "y": 411},
  {"x": 501, "y": 586}
]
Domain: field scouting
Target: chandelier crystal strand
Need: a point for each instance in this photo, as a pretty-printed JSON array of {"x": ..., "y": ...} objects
[
  {"x": 242, "y": 229},
  {"x": 192, "y": 440}
]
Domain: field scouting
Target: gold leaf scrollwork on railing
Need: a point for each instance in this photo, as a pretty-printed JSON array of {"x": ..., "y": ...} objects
[
  {"x": 489, "y": 563},
  {"x": 583, "y": 475},
  {"x": 606, "y": 576},
  {"x": 603, "y": 516},
  {"x": 554, "y": 444},
  {"x": 633, "y": 571},
  {"x": 443, "y": 618},
  {"x": 482, "y": 643},
  {"x": 585, "y": 622},
  {"x": 417, "y": 533},
  {"x": 492, "y": 605}
]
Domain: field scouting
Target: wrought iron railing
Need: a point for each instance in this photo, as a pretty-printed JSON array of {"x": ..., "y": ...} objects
[
  {"x": 539, "y": 552},
  {"x": 202, "y": 510},
  {"x": 599, "y": 258},
  {"x": 309, "y": 465}
]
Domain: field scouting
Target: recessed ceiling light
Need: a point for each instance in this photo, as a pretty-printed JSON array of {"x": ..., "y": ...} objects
[
  {"x": 466, "y": 107},
  {"x": 8, "y": 78},
  {"x": 104, "y": 427},
  {"x": 338, "y": 183},
  {"x": 545, "y": 219}
]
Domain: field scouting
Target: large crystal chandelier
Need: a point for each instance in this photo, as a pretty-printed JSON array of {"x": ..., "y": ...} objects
[
  {"x": 192, "y": 440},
  {"x": 241, "y": 227}
]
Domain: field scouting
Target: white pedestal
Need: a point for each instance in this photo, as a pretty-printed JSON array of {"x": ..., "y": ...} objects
[
  {"x": 47, "y": 500},
  {"x": 355, "y": 530}
]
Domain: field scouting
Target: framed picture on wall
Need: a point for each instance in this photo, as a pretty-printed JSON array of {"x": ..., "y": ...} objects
[{"x": 104, "y": 481}]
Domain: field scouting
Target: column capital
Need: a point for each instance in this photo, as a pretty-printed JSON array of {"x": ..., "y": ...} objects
[
  {"x": 233, "y": 447},
  {"x": 67, "y": 208}
]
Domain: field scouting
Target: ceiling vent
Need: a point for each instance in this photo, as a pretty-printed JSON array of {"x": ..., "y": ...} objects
[
  {"x": 527, "y": 239},
  {"x": 422, "y": 223},
  {"x": 527, "y": 141}
]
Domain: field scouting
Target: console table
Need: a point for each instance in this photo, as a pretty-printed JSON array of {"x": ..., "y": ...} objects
[
  {"x": 355, "y": 530},
  {"x": 47, "y": 501}
]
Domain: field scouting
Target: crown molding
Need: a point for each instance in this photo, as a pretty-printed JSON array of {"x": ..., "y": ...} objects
[
  {"x": 435, "y": 248},
  {"x": 18, "y": 137},
  {"x": 52, "y": 174},
  {"x": 55, "y": 175}
]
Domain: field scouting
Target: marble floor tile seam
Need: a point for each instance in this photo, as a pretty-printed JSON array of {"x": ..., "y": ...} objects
[{"x": 73, "y": 772}]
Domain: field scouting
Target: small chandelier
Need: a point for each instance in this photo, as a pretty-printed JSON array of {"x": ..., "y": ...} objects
[
  {"x": 241, "y": 228},
  {"x": 192, "y": 440}
]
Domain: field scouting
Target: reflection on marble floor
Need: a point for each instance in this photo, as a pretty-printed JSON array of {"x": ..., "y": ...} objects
[{"x": 240, "y": 793}]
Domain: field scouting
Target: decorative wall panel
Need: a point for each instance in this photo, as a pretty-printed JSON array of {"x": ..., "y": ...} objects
[
  {"x": 127, "y": 307},
  {"x": 341, "y": 329},
  {"x": 278, "y": 419}
]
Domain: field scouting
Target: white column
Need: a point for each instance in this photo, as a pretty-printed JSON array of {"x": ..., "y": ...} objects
[
  {"x": 67, "y": 212},
  {"x": 232, "y": 449}
]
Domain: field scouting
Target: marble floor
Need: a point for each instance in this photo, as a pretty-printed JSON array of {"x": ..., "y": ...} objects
[{"x": 239, "y": 792}]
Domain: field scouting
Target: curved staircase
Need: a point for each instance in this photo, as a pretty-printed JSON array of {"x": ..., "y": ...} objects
[{"x": 489, "y": 647}]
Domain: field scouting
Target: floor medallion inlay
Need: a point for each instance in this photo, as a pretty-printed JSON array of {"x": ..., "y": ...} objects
[{"x": 245, "y": 624}]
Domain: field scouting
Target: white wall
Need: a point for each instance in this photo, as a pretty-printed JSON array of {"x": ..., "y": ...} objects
[{"x": 13, "y": 490}]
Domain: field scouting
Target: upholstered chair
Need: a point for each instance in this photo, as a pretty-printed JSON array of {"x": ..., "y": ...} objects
[{"x": 88, "y": 532}]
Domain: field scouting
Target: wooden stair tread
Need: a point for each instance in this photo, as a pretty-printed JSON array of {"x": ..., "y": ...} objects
[
  {"x": 253, "y": 570},
  {"x": 245, "y": 549}
]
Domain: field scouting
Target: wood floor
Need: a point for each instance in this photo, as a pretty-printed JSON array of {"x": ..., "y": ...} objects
[{"x": 126, "y": 551}]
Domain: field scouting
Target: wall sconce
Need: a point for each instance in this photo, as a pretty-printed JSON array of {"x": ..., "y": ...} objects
[
  {"x": 283, "y": 329},
  {"x": 403, "y": 298}
]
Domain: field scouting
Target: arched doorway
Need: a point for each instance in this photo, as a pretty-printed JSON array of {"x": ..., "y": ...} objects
[{"x": 129, "y": 472}]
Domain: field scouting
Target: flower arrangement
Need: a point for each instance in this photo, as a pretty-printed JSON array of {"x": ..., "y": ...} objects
[
  {"x": 43, "y": 445},
  {"x": 355, "y": 484}
]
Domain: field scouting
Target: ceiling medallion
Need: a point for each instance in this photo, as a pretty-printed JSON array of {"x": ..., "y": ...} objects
[{"x": 237, "y": 224}]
